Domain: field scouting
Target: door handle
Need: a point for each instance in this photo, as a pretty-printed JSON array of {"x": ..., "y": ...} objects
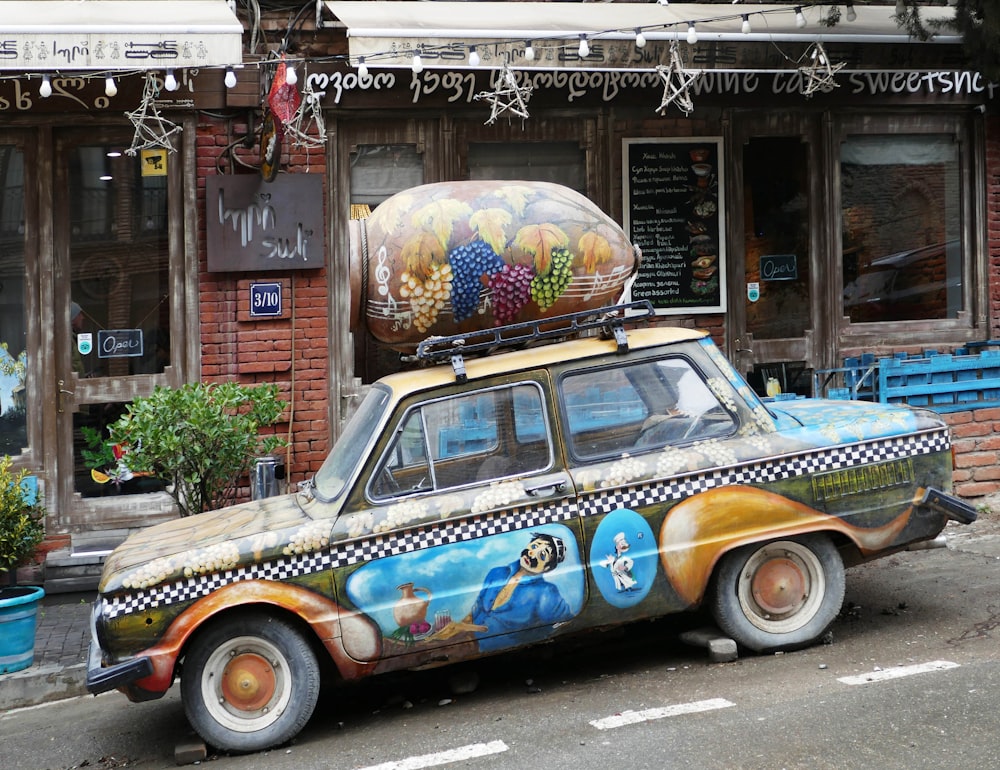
[
  {"x": 60, "y": 392},
  {"x": 549, "y": 487}
]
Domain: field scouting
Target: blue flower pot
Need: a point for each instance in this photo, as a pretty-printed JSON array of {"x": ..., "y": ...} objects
[{"x": 18, "y": 620}]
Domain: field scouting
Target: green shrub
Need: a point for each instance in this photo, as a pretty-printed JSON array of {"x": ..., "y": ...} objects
[
  {"x": 200, "y": 439},
  {"x": 21, "y": 522}
]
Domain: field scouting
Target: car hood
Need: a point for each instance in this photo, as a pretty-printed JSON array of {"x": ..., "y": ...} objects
[
  {"x": 830, "y": 421},
  {"x": 215, "y": 541}
]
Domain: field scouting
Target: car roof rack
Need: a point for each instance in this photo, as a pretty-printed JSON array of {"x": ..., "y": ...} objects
[{"x": 611, "y": 319}]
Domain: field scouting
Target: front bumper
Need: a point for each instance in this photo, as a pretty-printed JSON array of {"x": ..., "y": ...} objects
[{"x": 101, "y": 678}]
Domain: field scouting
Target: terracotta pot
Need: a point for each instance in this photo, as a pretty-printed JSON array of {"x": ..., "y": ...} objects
[
  {"x": 454, "y": 257},
  {"x": 410, "y": 609}
]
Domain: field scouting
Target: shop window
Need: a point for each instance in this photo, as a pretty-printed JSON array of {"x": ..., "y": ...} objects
[
  {"x": 381, "y": 170},
  {"x": 564, "y": 163},
  {"x": 901, "y": 222},
  {"x": 13, "y": 352}
]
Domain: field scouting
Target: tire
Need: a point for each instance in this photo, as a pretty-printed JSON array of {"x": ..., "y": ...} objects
[
  {"x": 780, "y": 595},
  {"x": 249, "y": 683}
]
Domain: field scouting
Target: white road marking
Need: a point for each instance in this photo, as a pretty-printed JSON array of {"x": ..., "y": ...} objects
[
  {"x": 634, "y": 717},
  {"x": 897, "y": 672},
  {"x": 444, "y": 757}
]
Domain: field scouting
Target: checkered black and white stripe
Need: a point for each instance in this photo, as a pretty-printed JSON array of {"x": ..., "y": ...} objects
[{"x": 498, "y": 522}]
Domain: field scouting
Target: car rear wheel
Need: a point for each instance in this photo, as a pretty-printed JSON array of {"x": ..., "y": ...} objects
[
  {"x": 249, "y": 683},
  {"x": 779, "y": 595}
]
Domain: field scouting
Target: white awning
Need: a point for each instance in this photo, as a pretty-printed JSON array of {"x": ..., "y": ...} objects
[
  {"x": 78, "y": 35},
  {"x": 388, "y": 33}
]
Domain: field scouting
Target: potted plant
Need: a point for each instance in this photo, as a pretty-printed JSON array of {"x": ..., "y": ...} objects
[{"x": 21, "y": 530}]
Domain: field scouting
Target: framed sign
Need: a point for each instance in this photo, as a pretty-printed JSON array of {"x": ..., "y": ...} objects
[
  {"x": 265, "y": 300},
  {"x": 119, "y": 343},
  {"x": 673, "y": 198},
  {"x": 779, "y": 267}
]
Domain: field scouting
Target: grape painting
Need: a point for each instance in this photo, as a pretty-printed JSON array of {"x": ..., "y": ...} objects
[{"x": 457, "y": 256}]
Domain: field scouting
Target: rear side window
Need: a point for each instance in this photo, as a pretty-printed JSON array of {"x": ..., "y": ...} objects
[
  {"x": 466, "y": 439},
  {"x": 640, "y": 407}
]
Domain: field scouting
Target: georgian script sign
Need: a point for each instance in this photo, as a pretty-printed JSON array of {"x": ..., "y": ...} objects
[
  {"x": 119, "y": 343},
  {"x": 256, "y": 225},
  {"x": 673, "y": 197}
]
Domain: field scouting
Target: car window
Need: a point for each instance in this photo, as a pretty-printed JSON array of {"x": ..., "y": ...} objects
[
  {"x": 640, "y": 407},
  {"x": 348, "y": 452},
  {"x": 466, "y": 439}
]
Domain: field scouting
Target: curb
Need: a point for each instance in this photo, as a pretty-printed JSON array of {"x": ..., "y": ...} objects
[{"x": 42, "y": 684}]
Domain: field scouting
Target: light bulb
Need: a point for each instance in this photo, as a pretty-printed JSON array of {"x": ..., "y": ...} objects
[
  {"x": 417, "y": 65},
  {"x": 584, "y": 47},
  {"x": 692, "y": 37},
  {"x": 110, "y": 87},
  {"x": 529, "y": 52},
  {"x": 230, "y": 77},
  {"x": 170, "y": 82},
  {"x": 900, "y": 7},
  {"x": 746, "y": 24},
  {"x": 291, "y": 76},
  {"x": 45, "y": 89},
  {"x": 640, "y": 39},
  {"x": 473, "y": 56},
  {"x": 362, "y": 68},
  {"x": 852, "y": 15},
  {"x": 800, "y": 20}
]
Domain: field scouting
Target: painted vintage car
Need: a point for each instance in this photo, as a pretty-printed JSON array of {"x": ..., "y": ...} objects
[{"x": 511, "y": 492}]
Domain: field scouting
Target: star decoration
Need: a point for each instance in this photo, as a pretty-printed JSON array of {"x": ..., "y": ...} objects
[
  {"x": 307, "y": 114},
  {"x": 151, "y": 128},
  {"x": 819, "y": 74},
  {"x": 507, "y": 96},
  {"x": 676, "y": 81}
]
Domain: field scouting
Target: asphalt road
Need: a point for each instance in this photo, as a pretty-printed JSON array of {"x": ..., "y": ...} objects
[{"x": 910, "y": 679}]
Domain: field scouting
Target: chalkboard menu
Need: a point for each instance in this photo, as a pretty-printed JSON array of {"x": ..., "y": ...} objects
[{"x": 672, "y": 212}]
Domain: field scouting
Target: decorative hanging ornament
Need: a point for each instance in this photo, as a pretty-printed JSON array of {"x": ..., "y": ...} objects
[
  {"x": 309, "y": 115},
  {"x": 283, "y": 98},
  {"x": 507, "y": 95},
  {"x": 819, "y": 74},
  {"x": 676, "y": 81},
  {"x": 152, "y": 130}
]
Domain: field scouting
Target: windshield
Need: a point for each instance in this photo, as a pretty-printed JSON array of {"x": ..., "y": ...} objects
[{"x": 349, "y": 450}]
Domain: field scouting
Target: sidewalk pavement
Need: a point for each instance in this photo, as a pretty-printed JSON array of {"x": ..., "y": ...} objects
[{"x": 59, "y": 669}]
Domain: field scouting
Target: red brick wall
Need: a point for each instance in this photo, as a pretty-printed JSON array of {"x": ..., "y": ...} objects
[
  {"x": 976, "y": 441},
  {"x": 291, "y": 352}
]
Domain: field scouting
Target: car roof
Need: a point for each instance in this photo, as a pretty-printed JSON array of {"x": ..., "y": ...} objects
[{"x": 538, "y": 357}]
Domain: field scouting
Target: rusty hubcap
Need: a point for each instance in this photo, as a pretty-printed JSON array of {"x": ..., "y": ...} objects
[
  {"x": 779, "y": 586},
  {"x": 248, "y": 682}
]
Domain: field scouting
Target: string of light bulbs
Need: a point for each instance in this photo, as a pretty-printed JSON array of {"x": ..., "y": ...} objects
[{"x": 686, "y": 30}]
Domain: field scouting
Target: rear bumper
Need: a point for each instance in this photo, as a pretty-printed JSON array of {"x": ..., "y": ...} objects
[{"x": 950, "y": 506}]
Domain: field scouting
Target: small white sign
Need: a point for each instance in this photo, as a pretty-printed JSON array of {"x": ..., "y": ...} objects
[
  {"x": 85, "y": 343},
  {"x": 753, "y": 291}
]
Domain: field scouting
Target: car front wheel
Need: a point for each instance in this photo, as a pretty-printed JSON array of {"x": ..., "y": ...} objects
[
  {"x": 249, "y": 683},
  {"x": 779, "y": 595}
]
